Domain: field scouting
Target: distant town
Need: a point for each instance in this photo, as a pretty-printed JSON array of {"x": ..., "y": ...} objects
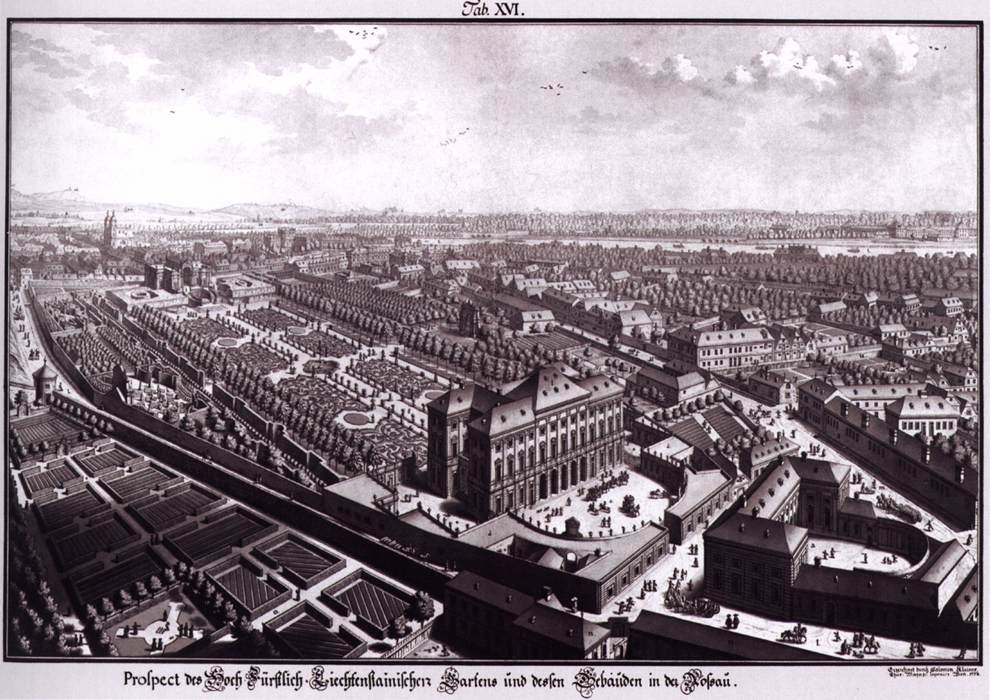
[{"x": 662, "y": 435}]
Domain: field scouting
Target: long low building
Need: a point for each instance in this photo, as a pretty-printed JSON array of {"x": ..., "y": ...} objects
[
  {"x": 505, "y": 623},
  {"x": 757, "y": 560},
  {"x": 936, "y": 481}
]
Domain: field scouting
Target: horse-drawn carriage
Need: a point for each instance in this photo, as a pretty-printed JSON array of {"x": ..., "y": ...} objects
[{"x": 796, "y": 635}]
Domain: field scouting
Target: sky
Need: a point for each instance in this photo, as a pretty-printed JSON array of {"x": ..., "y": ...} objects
[{"x": 498, "y": 117}]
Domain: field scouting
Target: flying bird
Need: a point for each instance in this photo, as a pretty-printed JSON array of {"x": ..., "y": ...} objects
[
  {"x": 171, "y": 111},
  {"x": 584, "y": 72}
]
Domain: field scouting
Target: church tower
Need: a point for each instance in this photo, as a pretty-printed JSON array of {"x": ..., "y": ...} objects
[{"x": 108, "y": 223}]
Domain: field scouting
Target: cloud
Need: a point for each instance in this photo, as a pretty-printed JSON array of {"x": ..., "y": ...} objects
[
  {"x": 20, "y": 41},
  {"x": 788, "y": 61},
  {"x": 739, "y": 76},
  {"x": 845, "y": 65},
  {"x": 894, "y": 54},
  {"x": 632, "y": 73},
  {"x": 302, "y": 122},
  {"x": 680, "y": 67}
]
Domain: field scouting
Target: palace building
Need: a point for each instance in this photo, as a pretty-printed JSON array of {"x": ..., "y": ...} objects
[{"x": 525, "y": 443}]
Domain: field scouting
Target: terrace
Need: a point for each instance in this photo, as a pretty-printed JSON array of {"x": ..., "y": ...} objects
[{"x": 603, "y": 516}]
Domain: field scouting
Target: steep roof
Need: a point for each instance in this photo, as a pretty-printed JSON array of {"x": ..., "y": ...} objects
[
  {"x": 922, "y": 407},
  {"x": 470, "y": 396},
  {"x": 45, "y": 372},
  {"x": 484, "y": 590},
  {"x": 759, "y": 533},
  {"x": 907, "y": 447},
  {"x": 545, "y": 389},
  {"x": 771, "y": 449},
  {"x": 562, "y": 627},
  {"x": 700, "y": 486},
  {"x": 880, "y": 392},
  {"x": 868, "y": 585},
  {"x": 717, "y": 338},
  {"x": 818, "y": 470}
]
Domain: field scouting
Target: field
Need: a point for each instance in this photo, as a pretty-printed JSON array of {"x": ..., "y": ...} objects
[
  {"x": 374, "y": 605},
  {"x": 209, "y": 329},
  {"x": 309, "y": 638},
  {"x": 246, "y": 588},
  {"x": 270, "y": 319},
  {"x": 162, "y": 514},
  {"x": 127, "y": 488},
  {"x": 52, "y": 478},
  {"x": 114, "y": 457},
  {"x": 216, "y": 538},
  {"x": 304, "y": 562},
  {"x": 82, "y": 546},
  {"x": 106, "y": 583},
  {"x": 46, "y": 426},
  {"x": 55, "y": 514},
  {"x": 552, "y": 341}
]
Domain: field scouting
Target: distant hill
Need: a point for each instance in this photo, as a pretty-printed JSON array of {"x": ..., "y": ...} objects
[
  {"x": 72, "y": 202},
  {"x": 273, "y": 211}
]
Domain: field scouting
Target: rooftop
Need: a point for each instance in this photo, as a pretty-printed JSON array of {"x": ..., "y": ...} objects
[{"x": 759, "y": 533}]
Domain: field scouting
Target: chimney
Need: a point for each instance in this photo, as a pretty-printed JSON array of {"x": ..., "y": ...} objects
[
  {"x": 865, "y": 422},
  {"x": 844, "y": 409},
  {"x": 547, "y": 592},
  {"x": 766, "y": 534},
  {"x": 742, "y": 527},
  {"x": 570, "y": 631},
  {"x": 928, "y": 453},
  {"x": 960, "y": 473},
  {"x": 892, "y": 436}
]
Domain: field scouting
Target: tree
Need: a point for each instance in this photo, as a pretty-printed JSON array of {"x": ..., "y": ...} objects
[
  {"x": 90, "y": 613},
  {"x": 106, "y": 607},
  {"x": 397, "y": 628},
  {"x": 423, "y": 607}
]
